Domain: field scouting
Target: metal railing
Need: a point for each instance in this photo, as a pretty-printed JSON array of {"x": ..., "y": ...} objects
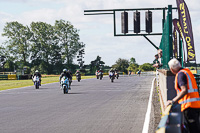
[
  {"x": 7, "y": 73},
  {"x": 171, "y": 120}
]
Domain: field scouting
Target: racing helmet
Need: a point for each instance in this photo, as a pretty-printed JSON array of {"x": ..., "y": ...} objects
[{"x": 64, "y": 70}]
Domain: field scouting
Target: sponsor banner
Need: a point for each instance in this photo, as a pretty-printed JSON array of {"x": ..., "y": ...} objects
[
  {"x": 175, "y": 52},
  {"x": 186, "y": 26},
  {"x": 177, "y": 27}
]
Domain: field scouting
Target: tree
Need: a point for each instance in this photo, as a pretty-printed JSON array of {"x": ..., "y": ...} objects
[
  {"x": 48, "y": 48},
  {"x": 9, "y": 65},
  {"x": 2, "y": 57},
  {"x": 18, "y": 43},
  {"x": 2, "y": 51},
  {"x": 69, "y": 40},
  {"x": 133, "y": 66},
  {"x": 45, "y": 49},
  {"x": 121, "y": 65},
  {"x": 146, "y": 67},
  {"x": 96, "y": 64},
  {"x": 133, "y": 61}
]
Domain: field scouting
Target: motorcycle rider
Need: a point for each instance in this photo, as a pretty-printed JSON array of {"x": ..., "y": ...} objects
[
  {"x": 116, "y": 73},
  {"x": 111, "y": 71},
  {"x": 37, "y": 74},
  {"x": 139, "y": 72},
  {"x": 129, "y": 73},
  {"x": 100, "y": 73},
  {"x": 66, "y": 74},
  {"x": 78, "y": 73},
  {"x": 100, "y": 70}
]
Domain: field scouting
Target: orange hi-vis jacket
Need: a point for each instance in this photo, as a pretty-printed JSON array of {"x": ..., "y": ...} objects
[{"x": 191, "y": 99}]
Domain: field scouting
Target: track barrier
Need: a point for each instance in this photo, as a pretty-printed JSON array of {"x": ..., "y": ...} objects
[
  {"x": 171, "y": 120},
  {"x": 3, "y": 77},
  {"x": 13, "y": 77}
]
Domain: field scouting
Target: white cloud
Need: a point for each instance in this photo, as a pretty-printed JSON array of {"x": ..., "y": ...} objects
[
  {"x": 45, "y": 15},
  {"x": 5, "y": 17}
]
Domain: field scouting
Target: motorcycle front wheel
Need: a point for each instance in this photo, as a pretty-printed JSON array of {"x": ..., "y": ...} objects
[
  {"x": 36, "y": 85},
  {"x": 65, "y": 89}
]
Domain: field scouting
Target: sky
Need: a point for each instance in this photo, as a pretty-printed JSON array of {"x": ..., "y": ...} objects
[{"x": 97, "y": 31}]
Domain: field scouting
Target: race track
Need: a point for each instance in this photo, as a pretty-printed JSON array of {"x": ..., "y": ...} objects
[{"x": 92, "y": 106}]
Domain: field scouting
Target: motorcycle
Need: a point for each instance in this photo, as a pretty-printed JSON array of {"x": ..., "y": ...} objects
[
  {"x": 36, "y": 81},
  {"x": 129, "y": 73},
  {"x": 65, "y": 84},
  {"x": 112, "y": 77},
  {"x": 78, "y": 77},
  {"x": 117, "y": 75},
  {"x": 100, "y": 74},
  {"x": 97, "y": 75},
  {"x": 139, "y": 72}
]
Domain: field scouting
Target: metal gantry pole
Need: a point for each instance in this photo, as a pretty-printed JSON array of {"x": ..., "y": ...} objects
[
  {"x": 114, "y": 23},
  {"x": 113, "y": 12}
]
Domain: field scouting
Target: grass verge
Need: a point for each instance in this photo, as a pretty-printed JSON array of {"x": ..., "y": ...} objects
[{"x": 10, "y": 84}]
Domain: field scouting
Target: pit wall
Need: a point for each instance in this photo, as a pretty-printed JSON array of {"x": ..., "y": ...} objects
[{"x": 165, "y": 86}]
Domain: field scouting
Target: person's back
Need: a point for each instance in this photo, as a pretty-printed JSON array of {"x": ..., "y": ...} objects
[
  {"x": 78, "y": 73},
  {"x": 66, "y": 74},
  {"x": 37, "y": 74}
]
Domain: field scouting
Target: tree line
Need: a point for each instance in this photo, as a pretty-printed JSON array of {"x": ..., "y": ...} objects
[
  {"x": 48, "y": 48},
  {"x": 125, "y": 65},
  {"x": 122, "y": 65}
]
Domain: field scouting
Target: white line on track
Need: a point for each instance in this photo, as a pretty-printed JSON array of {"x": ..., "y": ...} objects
[{"x": 148, "y": 113}]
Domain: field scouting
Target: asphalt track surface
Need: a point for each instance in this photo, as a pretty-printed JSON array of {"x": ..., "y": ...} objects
[{"x": 92, "y": 106}]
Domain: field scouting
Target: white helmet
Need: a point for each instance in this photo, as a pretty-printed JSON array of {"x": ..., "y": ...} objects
[{"x": 64, "y": 70}]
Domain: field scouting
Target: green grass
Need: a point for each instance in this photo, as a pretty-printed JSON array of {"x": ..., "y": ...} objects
[{"x": 10, "y": 84}]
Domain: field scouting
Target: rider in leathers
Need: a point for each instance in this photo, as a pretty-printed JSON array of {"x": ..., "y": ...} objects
[
  {"x": 111, "y": 71},
  {"x": 37, "y": 74},
  {"x": 66, "y": 74}
]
